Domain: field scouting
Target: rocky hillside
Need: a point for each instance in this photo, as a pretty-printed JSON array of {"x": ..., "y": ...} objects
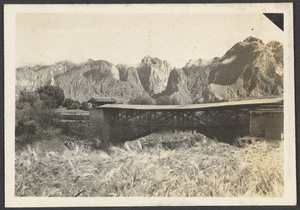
[
  {"x": 83, "y": 81},
  {"x": 249, "y": 69},
  {"x": 154, "y": 74}
]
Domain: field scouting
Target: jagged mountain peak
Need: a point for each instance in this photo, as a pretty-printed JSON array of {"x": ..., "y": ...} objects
[
  {"x": 154, "y": 61},
  {"x": 244, "y": 50},
  {"x": 251, "y": 39},
  {"x": 100, "y": 63},
  {"x": 274, "y": 44},
  {"x": 154, "y": 73}
]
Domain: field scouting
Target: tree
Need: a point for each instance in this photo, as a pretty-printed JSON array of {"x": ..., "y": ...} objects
[
  {"x": 27, "y": 109},
  {"x": 52, "y": 96},
  {"x": 32, "y": 115},
  {"x": 29, "y": 97}
]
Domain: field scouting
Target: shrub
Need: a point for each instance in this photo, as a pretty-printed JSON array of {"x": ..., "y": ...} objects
[
  {"x": 74, "y": 106},
  {"x": 92, "y": 101},
  {"x": 166, "y": 100},
  {"x": 67, "y": 102},
  {"x": 84, "y": 106},
  {"x": 30, "y": 129},
  {"x": 141, "y": 100}
]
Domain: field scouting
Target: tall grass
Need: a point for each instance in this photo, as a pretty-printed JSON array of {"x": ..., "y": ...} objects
[{"x": 149, "y": 166}]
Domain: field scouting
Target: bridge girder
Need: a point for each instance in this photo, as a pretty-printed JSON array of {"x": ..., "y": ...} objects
[{"x": 203, "y": 121}]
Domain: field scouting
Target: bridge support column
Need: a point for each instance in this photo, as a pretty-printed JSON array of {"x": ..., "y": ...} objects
[
  {"x": 182, "y": 114},
  {"x": 151, "y": 121}
]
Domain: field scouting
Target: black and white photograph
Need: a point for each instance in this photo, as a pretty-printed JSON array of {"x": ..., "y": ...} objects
[{"x": 147, "y": 105}]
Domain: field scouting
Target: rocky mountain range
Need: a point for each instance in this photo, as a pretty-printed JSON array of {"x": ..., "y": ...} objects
[{"x": 249, "y": 69}]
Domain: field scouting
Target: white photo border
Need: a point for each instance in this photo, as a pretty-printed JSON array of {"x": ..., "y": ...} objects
[{"x": 10, "y": 11}]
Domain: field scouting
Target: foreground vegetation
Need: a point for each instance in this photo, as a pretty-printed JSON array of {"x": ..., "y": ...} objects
[{"x": 161, "y": 164}]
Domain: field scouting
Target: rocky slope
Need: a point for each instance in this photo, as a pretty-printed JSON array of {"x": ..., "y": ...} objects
[
  {"x": 154, "y": 74},
  {"x": 83, "y": 81},
  {"x": 249, "y": 69}
]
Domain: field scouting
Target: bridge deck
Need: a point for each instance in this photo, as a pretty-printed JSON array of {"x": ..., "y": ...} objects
[{"x": 195, "y": 107}]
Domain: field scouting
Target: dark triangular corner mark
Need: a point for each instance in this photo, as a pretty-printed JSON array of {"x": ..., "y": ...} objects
[{"x": 276, "y": 18}]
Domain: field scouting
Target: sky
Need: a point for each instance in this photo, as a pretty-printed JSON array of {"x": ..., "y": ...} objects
[{"x": 47, "y": 38}]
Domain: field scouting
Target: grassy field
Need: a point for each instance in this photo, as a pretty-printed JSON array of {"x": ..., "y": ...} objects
[{"x": 161, "y": 164}]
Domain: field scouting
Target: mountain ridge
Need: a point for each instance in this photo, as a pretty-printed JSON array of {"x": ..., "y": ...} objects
[{"x": 250, "y": 68}]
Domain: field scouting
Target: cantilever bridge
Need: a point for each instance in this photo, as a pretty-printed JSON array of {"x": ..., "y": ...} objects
[{"x": 205, "y": 118}]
